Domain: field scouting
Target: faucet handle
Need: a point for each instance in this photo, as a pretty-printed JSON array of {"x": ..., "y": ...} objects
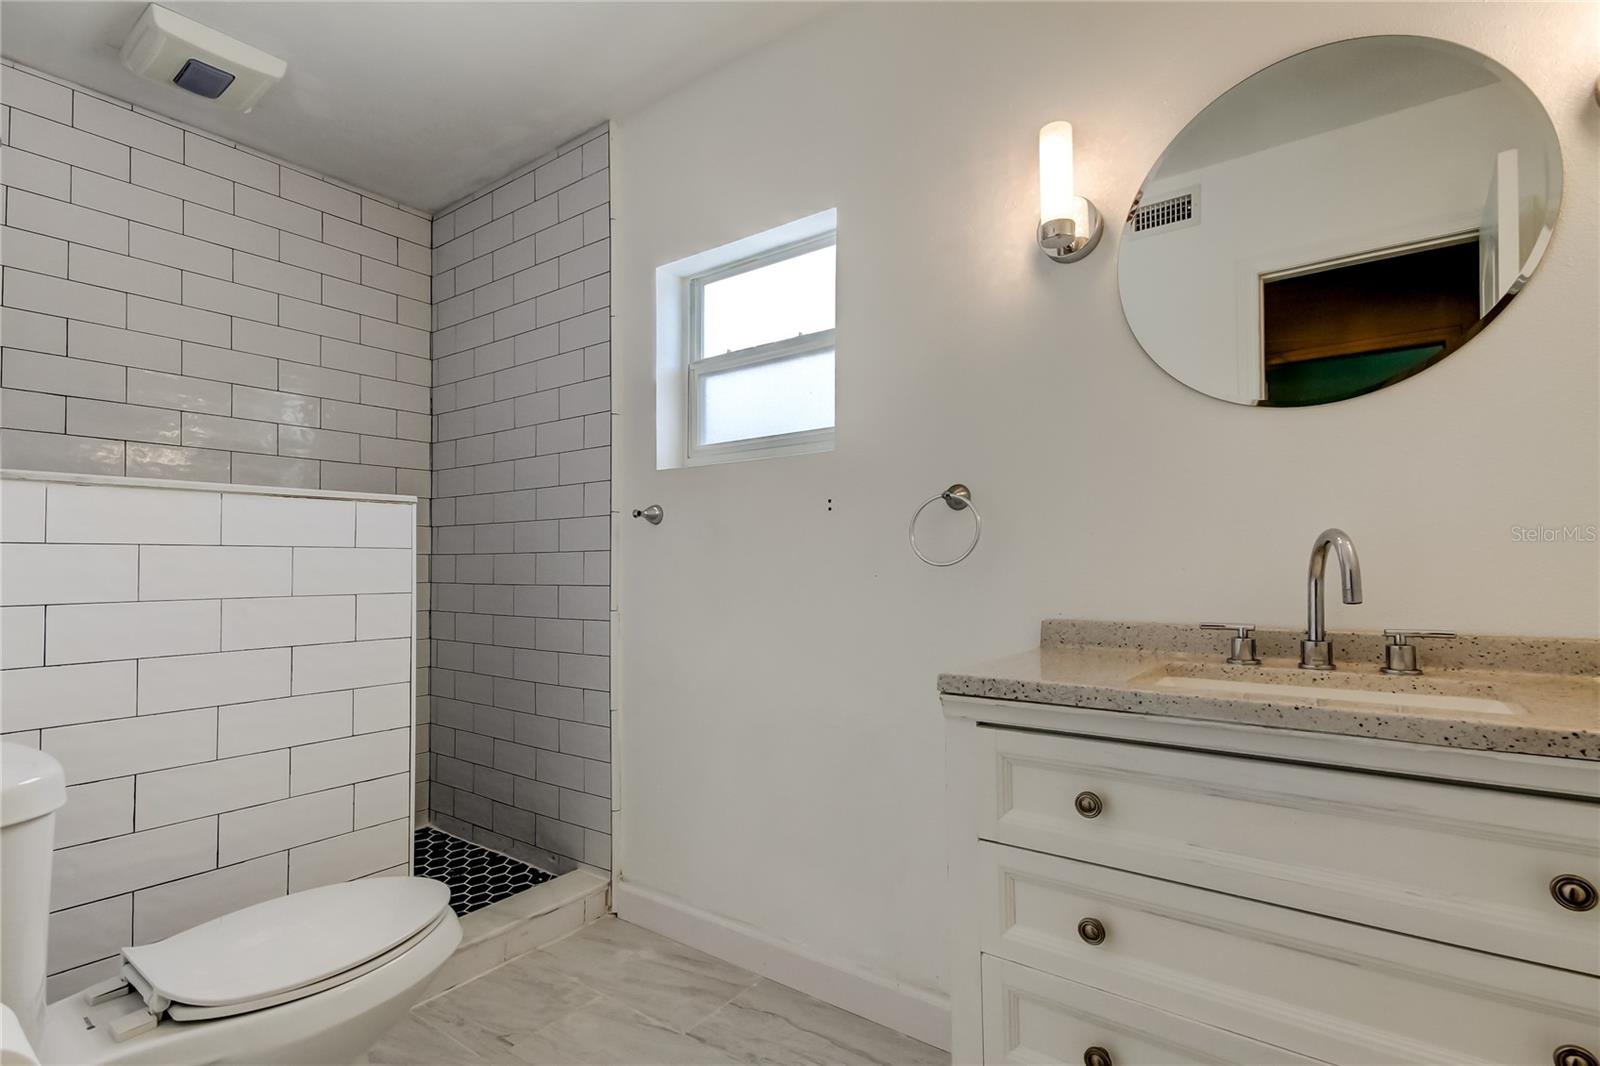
[
  {"x": 1401, "y": 657},
  {"x": 1242, "y": 648}
]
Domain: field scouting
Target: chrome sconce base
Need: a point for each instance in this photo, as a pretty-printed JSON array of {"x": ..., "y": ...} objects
[{"x": 1060, "y": 240}]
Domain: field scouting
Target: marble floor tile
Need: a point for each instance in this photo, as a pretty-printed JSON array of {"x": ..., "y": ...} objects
[
  {"x": 670, "y": 982},
  {"x": 512, "y": 1001},
  {"x": 619, "y": 935},
  {"x": 412, "y": 1043},
  {"x": 614, "y": 994},
  {"x": 770, "y": 1023},
  {"x": 607, "y": 1033}
]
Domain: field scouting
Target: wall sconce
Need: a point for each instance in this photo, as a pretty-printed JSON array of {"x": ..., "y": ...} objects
[{"x": 1069, "y": 225}]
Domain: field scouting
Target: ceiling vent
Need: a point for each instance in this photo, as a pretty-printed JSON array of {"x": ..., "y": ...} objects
[
  {"x": 1172, "y": 212},
  {"x": 167, "y": 47}
]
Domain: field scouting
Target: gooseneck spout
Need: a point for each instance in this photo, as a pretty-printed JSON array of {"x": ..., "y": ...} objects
[{"x": 1316, "y": 651}]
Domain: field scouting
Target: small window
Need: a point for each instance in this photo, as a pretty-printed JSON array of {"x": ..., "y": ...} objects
[{"x": 761, "y": 352}]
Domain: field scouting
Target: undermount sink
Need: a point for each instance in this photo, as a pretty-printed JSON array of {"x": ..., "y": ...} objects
[{"x": 1333, "y": 690}]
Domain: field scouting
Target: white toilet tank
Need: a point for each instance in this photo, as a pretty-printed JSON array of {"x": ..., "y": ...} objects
[{"x": 32, "y": 789}]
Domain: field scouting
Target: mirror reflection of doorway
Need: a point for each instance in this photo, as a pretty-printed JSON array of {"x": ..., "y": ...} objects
[{"x": 1328, "y": 334}]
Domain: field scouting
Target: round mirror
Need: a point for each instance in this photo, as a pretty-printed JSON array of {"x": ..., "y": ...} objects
[{"x": 1339, "y": 221}]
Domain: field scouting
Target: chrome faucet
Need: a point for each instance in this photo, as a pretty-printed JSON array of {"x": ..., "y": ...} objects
[{"x": 1316, "y": 651}]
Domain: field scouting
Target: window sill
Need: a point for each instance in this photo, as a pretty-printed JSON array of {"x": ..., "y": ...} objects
[{"x": 808, "y": 443}]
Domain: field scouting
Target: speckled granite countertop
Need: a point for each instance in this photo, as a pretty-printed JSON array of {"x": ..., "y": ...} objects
[{"x": 1546, "y": 691}]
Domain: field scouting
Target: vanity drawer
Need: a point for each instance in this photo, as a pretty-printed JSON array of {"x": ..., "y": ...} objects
[
  {"x": 1461, "y": 865},
  {"x": 1033, "y": 1017},
  {"x": 1321, "y": 987}
]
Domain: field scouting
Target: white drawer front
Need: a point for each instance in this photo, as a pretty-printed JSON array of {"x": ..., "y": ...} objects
[
  {"x": 1461, "y": 865},
  {"x": 1032, "y": 1017},
  {"x": 1327, "y": 989}
]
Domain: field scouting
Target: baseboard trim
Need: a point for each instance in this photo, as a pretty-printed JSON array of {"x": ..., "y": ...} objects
[{"x": 912, "y": 1011}]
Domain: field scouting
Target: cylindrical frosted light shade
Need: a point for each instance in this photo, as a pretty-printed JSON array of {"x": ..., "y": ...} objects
[{"x": 1057, "y": 197}]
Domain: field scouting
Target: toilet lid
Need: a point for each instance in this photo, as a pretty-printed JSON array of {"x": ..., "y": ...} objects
[{"x": 267, "y": 952}]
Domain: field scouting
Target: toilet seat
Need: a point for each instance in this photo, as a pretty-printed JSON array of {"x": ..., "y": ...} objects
[{"x": 285, "y": 948}]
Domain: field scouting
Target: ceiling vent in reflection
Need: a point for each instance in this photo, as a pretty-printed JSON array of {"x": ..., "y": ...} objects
[{"x": 1169, "y": 213}]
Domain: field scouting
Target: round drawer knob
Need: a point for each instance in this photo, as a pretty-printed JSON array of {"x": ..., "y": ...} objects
[
  {"x": 1575, "y": 894},
  {"x": 1088, "y": 805},
  {"x": 1096, "y": 1056},
  {"x": 1566, "y": 1055},
  {"x": 1092, "y": 931}
]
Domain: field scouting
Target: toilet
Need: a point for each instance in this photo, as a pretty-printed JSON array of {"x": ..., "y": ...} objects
[{"x": 312, "y": 977}]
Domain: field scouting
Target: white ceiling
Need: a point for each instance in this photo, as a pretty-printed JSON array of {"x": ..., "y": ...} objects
[{"x": 422, "y": 102}]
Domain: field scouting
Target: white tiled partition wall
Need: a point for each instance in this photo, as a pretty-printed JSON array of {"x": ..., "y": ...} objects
[
  {"x": 179, "y": 307},
  {"x": 226, "y": 677},
  {"x": 521, "y": 558}
]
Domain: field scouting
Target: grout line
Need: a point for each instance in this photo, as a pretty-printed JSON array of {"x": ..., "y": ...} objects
[
  {"x": 467, "y": 1054},
  {"x": 708, "y": 1018}
]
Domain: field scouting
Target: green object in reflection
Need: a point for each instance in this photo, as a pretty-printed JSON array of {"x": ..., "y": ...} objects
[{"x": 1341, "y": 377}]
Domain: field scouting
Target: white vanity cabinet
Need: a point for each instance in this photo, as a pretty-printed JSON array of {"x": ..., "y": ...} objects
[{"x": 1186, "y": 891}]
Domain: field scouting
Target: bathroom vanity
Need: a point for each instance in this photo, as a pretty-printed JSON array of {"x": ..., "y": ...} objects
[{"x": 1156, "y": 856}]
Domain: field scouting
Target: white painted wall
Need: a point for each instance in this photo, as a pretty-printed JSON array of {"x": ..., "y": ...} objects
[{"x": 780, "y": 740}]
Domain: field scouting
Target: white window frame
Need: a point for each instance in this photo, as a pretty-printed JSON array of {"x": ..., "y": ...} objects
[{"x": 699, "y": 365}]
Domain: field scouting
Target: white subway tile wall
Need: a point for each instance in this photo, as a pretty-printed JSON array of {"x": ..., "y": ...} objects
[
  {"x": 521, "y": 708},
  {"x": 172, "y": 306},
  {"x": 228, "y": 731}
]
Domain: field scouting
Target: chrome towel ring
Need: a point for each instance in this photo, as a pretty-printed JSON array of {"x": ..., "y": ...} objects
[{"x": 958, "y": 498}]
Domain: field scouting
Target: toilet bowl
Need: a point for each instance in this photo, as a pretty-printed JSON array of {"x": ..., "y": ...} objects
[{"x": 313, "y": 977}]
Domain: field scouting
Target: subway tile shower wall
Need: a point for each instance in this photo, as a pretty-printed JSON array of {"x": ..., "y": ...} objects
[
  {"x": 225, "y": 677},
  {"x": 178, "y": 307},
  {"x": 521, "y": 562}
]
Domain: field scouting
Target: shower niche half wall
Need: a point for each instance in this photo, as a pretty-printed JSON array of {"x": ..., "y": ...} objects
[{"x": 225, "y": 675}]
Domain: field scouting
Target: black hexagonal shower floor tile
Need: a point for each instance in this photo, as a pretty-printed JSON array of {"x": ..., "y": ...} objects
[{"x": 475, "y": 875}]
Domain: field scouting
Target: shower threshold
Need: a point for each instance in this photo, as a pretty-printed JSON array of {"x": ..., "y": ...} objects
[{"x": 506, "y": 906}]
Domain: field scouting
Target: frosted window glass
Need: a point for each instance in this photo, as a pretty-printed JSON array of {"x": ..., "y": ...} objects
[
  {"x": 784, "y": 396},
  {"x": 770, "y": 303}
]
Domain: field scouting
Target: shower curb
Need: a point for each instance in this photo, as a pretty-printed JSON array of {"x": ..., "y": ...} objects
[{"x": 530, "y": 919}]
